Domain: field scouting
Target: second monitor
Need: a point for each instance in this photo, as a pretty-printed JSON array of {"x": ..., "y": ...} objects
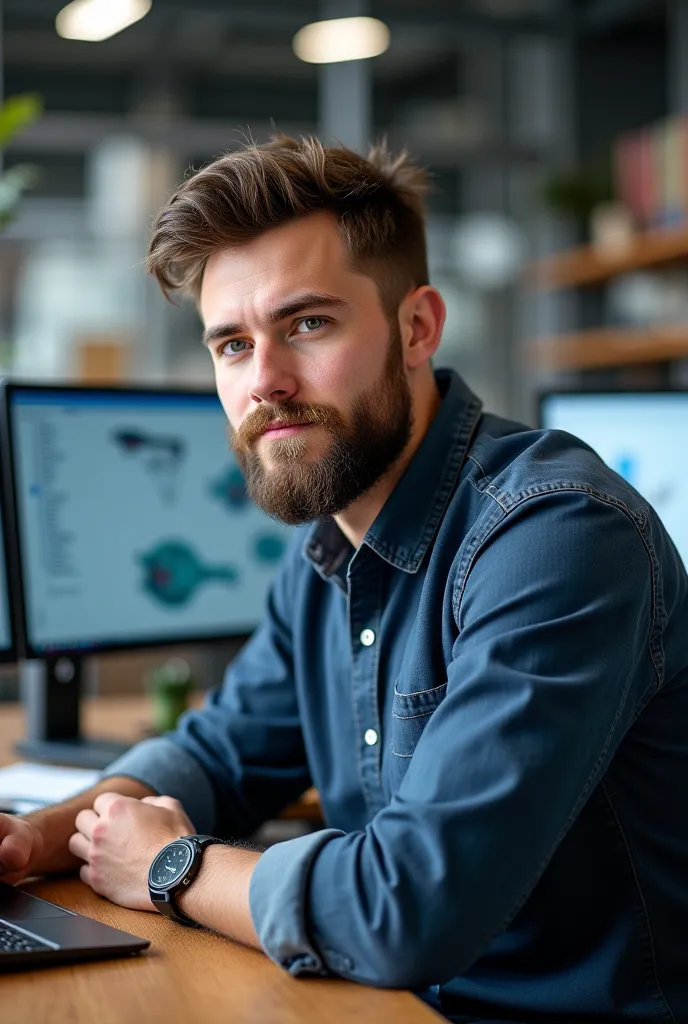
[
  {"x": 131, "y": 527},
  {"x": 7, "y": 649},
  {"x": 641, "y": 435},
  {"x": 134, "y": 526}
]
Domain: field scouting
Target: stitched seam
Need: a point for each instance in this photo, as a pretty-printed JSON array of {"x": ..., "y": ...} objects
[
  {"x": 354, "y": 701},
  {"x": 417, "y": 693},
  {"x": 457, "y": 597},
  {"x": 375, "y": 688},
  {"x": 406, "y": 718},
  {"x": 646, "y": 914},
  {"x": 489, "y": 487},
  {"x": 472, "y": 457}
]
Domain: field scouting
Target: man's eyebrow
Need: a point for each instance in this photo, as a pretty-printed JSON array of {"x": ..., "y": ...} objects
[{"x": 290, "y": 307}]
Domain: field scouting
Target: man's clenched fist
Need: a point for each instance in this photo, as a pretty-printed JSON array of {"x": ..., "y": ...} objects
[{"x": 21, "y": 845}]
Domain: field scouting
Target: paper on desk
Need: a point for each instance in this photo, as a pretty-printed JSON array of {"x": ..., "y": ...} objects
[{"x": 42, "y": 784}]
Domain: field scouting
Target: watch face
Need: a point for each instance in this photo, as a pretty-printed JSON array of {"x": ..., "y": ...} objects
[{"x": 170, "y": 865}]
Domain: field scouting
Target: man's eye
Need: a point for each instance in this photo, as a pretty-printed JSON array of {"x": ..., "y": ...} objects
[
  {"x": 233, "y": 347},
  {"x": 309, "y": 324}
]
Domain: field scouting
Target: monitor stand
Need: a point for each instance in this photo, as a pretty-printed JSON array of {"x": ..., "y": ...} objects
[{"x": 51, "y": 691}]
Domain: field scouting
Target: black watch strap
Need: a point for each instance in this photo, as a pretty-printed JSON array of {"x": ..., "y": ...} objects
[{"x": 204, "y": 841}]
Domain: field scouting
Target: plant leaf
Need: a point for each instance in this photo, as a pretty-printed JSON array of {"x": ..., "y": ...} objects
[{"x": 17, "y": 113}]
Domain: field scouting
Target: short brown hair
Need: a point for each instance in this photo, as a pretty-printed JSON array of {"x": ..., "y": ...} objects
[{"x": 377, "y": 202}]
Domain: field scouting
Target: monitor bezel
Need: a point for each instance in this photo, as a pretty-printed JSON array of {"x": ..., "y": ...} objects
[
  {"x": 24, "y": 645},
  {"x": 543, "y": 395},
  {"x": 15, "y": 601}
]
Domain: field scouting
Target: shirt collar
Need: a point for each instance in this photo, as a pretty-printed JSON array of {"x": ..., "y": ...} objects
[{"x": 405, "y": 526}]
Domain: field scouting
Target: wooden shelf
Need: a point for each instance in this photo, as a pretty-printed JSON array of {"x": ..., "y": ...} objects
[
  {"x": 610, "y": 346},
  {"x": 587, "y": 265}
]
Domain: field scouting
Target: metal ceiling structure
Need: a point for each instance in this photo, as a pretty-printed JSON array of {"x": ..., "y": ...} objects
[{"x": 193, "y": 71}]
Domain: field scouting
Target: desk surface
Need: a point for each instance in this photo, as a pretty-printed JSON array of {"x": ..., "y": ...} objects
[{"x": 185, "y": 976}]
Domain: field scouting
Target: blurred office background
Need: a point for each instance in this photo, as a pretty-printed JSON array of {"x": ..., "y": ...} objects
[{"x": 552, "y": 128}]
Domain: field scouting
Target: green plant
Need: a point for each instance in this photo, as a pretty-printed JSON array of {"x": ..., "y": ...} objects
[{"x": 16, "y": 113}]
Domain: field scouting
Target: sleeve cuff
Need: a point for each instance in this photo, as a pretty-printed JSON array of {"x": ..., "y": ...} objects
[
  {"x": 170, "y": 770},
  {"x": 277, "y": 899}
]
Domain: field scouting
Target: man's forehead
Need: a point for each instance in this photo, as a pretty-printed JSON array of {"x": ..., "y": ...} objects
[
  {"x": 303, "y": 239},
  {"x": 270, "y": 268}
]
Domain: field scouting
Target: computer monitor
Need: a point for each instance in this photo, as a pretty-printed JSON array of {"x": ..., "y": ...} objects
[
  {"x": 7, "y": 639},
  {"x": 133, "y": 525},
  {"x": 642, "y": 435}
]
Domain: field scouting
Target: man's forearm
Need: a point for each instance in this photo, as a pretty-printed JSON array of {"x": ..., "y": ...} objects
[
  {"x": 56, "y": 823},
  {"x": 218, "y": 897}
]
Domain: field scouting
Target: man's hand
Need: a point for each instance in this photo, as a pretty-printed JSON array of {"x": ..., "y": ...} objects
[
  {"x": 118, "y": 840},
  {"x": 21, "y": 845}
]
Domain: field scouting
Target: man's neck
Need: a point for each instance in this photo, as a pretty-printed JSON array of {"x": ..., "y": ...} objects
[{"x": 356, "y": 520}]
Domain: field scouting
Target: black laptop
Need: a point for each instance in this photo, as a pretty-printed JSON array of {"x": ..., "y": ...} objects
[{"x": 33, "y": 932}]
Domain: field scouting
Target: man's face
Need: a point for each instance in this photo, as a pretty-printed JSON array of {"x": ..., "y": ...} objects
[{"x": 308, "y": 369}]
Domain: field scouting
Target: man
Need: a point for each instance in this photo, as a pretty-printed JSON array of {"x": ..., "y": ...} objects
[{"x": 477, "y": 651}]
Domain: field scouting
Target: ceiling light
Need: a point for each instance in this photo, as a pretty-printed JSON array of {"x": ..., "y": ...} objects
[
  {"x": 326, "y": 42},
  {"x": 94, "y": 20}
]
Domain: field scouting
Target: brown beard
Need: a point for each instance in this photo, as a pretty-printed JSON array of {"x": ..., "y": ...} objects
[{"x": 360, "y": 453}]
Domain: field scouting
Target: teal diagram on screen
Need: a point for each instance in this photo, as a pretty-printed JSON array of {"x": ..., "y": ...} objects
[
  {"x": 229, "y": 488},
  {"x": 161, "y": 458},
  {"x": 268, "y": 548},
  {"x": 172, "y": 573}
]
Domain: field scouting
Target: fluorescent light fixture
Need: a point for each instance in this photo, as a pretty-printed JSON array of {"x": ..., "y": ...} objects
[
  {"x": 95, "y": 20},
  {"x": 326, "y": 42}
]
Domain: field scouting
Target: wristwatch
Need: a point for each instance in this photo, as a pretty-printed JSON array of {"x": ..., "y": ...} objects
[{"x": 173, "y": 870}]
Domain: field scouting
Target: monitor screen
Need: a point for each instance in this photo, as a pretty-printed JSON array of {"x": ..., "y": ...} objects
[
  {"x": 643, "y": 436},
  {"x": 6, "y": 639},
  {"x": 133, "y": 522}
]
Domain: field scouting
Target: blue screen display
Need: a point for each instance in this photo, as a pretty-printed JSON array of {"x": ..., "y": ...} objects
[
  {"x": 643, "y": 437},
  {"x": 5, "y": 628},
  {"x": 133, "y": 519}
]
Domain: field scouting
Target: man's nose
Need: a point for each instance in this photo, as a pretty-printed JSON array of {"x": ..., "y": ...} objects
[{"x": 273, "y": 379}]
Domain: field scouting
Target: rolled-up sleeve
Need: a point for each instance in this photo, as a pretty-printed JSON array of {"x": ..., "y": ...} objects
[
  {"x": 550, "y": 663},
  {"x": 169, "y": 770},
  {"x": 240, "y": 759}
]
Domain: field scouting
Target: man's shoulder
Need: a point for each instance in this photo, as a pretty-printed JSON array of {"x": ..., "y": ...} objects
[{"x": 511, "y": 463}]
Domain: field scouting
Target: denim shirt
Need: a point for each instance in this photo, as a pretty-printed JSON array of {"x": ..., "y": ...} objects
[{"x": 491, "y": 696}]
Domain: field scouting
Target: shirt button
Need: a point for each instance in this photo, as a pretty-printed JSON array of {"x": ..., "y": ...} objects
[
  {"x": 367, "y": 637},
  {"x": 370, "y": 737}
]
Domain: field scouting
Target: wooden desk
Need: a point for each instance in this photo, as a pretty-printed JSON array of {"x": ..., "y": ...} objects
[{"x": 186, "y": 976}]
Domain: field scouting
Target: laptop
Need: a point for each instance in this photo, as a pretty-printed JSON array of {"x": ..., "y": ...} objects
[{"x": 33, "y": 932}]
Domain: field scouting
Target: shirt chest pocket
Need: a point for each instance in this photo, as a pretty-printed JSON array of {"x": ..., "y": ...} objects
[{"x": 411, "y": 712}]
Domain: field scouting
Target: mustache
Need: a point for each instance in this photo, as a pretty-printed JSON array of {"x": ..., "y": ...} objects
[{"x": 288, "y": 413}]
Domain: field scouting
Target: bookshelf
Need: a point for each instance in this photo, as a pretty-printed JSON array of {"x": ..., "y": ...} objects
[
  {"x": 589, "y": 266},
  {"x": 609, "y": 346}
]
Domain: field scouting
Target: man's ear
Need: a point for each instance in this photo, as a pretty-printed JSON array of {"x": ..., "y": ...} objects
[{"x": 421, "y": 319}]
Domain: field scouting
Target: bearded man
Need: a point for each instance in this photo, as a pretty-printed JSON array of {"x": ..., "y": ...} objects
[{"x": 476, "y": 647}]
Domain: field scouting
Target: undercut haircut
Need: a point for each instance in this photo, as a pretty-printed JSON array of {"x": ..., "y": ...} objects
[{"x": 377, "y": 202}]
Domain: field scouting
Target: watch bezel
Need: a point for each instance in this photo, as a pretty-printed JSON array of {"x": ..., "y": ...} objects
[{"x": 186, "y": 875}]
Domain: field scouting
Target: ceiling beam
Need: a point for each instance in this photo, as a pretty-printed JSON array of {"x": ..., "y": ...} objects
[{"x": 276, "y": 15}]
